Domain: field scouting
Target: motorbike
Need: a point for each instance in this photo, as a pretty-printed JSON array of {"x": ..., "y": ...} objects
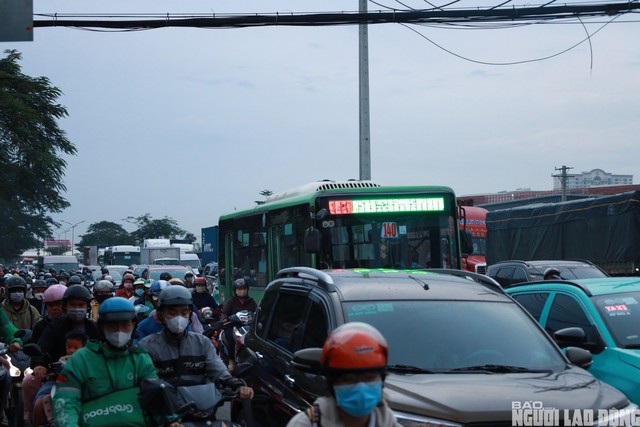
[
  {"x": 192, "y": 405},
  {"x": 241, "y": 322},
  {"x": 19, "y": 366}
]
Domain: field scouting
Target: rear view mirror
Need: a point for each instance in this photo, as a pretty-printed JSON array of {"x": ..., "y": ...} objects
[
  {"x": 568, "y": 336},
  {"x": 308, "y": 360},
  {"x": 312, "y": 239},
  {"x": 467, "y": 242}
]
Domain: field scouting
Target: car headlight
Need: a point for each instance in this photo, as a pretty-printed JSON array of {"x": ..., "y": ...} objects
[
  {"x": 411, "y": 420},
  {"x": 627, "y": 416}
]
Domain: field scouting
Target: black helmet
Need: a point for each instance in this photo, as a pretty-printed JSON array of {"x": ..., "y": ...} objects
[
  {"x": 240, "y": 283},
  {"x": 104, "y": 271},
  {"x": 15, "y": 282},
  {"x": 74, "y": 280},
  {"x": 551, "y": 273},
  {"x": 64, "y": 275},
  {"x": 51, "y": 281},
  {"x": 39, "y": 283},
  {"x": 175, "y": 295},
  {"x": 77, "y": 292},
  {"x": 165, "y": 276}
]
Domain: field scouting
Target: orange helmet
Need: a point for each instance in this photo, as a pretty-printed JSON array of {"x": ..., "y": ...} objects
[{"x": 354, "y": 346}]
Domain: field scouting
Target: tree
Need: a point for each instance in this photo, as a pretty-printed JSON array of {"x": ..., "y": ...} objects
[
  {"x": 105, "y": 233},
  {"x": 190, "y": 237},
  {"x": 31, "y": 166},
  {"x": 149, "y": 228}
]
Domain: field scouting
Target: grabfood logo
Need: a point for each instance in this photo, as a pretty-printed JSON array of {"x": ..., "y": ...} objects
[{"x": 126, "y": 408}]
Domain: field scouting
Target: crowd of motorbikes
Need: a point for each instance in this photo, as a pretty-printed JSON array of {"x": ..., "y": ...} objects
[{"x": 197, "y": 404}]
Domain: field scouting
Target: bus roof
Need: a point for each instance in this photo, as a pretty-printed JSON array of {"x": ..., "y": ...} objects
[{"x": 323, "y": 188}]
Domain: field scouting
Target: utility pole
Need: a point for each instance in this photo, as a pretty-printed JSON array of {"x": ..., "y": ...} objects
[
  {"x": 563, "y": 181},
  {"x": 365, "y": 131}
]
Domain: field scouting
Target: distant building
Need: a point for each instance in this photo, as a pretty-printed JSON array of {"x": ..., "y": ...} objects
[{"x": 594, "y": 178}]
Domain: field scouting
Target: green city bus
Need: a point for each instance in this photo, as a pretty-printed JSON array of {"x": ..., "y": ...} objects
[{"x": 337, "y": 225}]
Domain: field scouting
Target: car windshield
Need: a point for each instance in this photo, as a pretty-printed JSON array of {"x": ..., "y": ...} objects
[
  {"x": 116, "y": 270},
  {"x": 449, "y": 335},
  {"x": 621, "y": 313},
  {"x": 174, "y": 272},
  {"x": 194, "y": 263}
]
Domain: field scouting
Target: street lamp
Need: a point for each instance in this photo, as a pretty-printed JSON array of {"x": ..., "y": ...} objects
[{"x": 73, "y": 232}]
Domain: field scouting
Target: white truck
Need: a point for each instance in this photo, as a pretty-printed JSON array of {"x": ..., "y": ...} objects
[{"x": 149, "y": 254}]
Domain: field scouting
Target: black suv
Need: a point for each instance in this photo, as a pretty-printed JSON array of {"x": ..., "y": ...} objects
[
  {"x": 509, "y": 273},
  {"x": 460, "y": 352}
]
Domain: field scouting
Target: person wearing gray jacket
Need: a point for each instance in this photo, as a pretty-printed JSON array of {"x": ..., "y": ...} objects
[
  {"x": 182, "y": 357},
  {"x": 354, "y": 358}
]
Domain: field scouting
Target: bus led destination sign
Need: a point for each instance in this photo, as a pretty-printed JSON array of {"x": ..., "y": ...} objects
[{"x": 425, "y": 204}]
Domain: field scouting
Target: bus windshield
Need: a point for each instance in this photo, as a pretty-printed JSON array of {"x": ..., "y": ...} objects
[{"x": 388, "y": 240}]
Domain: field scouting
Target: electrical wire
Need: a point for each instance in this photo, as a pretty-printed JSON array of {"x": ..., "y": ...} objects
[{"x": 544, "y": 58}]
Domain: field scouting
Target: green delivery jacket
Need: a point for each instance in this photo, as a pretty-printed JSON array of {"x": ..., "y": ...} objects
[
  {"x": 95, "y": 371},
  {"x": 7, "y": 330}
]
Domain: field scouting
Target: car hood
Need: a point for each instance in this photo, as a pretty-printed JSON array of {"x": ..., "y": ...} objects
[
  {"x": 481, "y": 397},
  {"x": 629, "y": 356}
]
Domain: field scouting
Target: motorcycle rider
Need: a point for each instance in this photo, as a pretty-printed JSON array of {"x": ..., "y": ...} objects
[
  {"x": 182, "y": 357},
  {"x": 22, "y": 314},
  {"x": 141, "y": 288},
  {"x": 102, "y": 290},
  {"x": 53, "y": 310},
  {"x": 63, "y": 278},
  {"x": 106, "y": 373},
  {"x": 354, "y": 358},
  {"x": 37, "y": 295},
  {"x": 238, "y": 302},
  {"x": 75, "y": 303},
  {"x": 188, "y": 279},
  {"x": 126, "y": 288},
  {"x": 201, "y": 296}
]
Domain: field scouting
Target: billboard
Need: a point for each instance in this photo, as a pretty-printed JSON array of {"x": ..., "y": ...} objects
[{"x": 57, "y": 244}]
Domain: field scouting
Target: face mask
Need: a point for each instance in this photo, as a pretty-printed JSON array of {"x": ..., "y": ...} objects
[
  {"x": 102, "y": 298},
  {"x": 39, "y": 296},
  {"x": 177, "y": 324},
  {"x": 358, "y": 399},
  {"x": 76, "y": 313},
  {"x": 241, "y": 292},
  {"x": 189, "y": 279},
  {"x": 118, "y": 339},
  {"x": 16, "y": 296},
  {"x": 201, "y": 289},
  {"x": 139, "y": 292},
  {"x": 128, "y": 285}
]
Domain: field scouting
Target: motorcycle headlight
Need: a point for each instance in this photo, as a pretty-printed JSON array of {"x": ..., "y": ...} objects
[
  {"x": 411, "y": 420},
  {"x": 627, "y": 416},
  {"x": 28, "y": 371}
]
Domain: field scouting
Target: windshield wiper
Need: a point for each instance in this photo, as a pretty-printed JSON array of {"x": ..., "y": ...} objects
[
  {"x": 500, "y": 369},
  {"x": 408, "y": 369}
]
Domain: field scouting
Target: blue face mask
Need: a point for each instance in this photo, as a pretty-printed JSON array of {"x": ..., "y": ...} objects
[
  {"x": 358, "y": 399},
  {"x": 139, "y": 292}
]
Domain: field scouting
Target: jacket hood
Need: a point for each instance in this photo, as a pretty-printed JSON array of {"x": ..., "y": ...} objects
[{"x": 485, "y": 397}]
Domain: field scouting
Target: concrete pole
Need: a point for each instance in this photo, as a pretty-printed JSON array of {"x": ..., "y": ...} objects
[{"x": 365, "y": 132}]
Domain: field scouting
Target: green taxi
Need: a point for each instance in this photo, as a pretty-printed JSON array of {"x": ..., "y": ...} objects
[{"x": 606, "y": 310}]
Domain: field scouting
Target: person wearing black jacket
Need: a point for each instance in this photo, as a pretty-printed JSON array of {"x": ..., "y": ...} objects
[
  {"x": 238, "y": 302},
  {"x": 201, "y": 296}
]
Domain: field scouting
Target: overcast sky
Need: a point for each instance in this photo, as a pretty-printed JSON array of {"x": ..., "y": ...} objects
[{"x": 194, "y": 123}]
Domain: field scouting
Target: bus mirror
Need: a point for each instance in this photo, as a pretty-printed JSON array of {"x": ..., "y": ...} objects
[
  {"x": 467, "y": 242},
  {"x": 322, "y": 214},
  {"x": 312, "y": 240}
]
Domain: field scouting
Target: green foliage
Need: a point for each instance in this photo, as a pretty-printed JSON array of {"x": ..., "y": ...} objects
[
  {"x": 149, "y": 228},
  {"x": 31, "y": 166},
  {"x": 105, "y": 233}
]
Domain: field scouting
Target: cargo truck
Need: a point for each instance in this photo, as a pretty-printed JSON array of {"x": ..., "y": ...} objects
[
  {"x": 603, "y": 230},
  {"x": 149, "y": 254}
]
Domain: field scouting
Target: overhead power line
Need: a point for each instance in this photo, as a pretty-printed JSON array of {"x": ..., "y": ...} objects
[{"x": 431, "y": 16}]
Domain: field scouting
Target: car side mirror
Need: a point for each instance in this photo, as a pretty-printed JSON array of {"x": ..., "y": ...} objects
[
  {"x": 570, "y": 335},
  {"x": 467, "y": 242},
  {"x": 579, "y": 357},
  {"x": 308, "y": 360}
]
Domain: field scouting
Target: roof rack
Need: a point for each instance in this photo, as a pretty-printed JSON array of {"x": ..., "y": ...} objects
[
  {"x": 308, "y": 274},
  {"x": 486, "y": 281},
  {"x": 556, "y": 281}
]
